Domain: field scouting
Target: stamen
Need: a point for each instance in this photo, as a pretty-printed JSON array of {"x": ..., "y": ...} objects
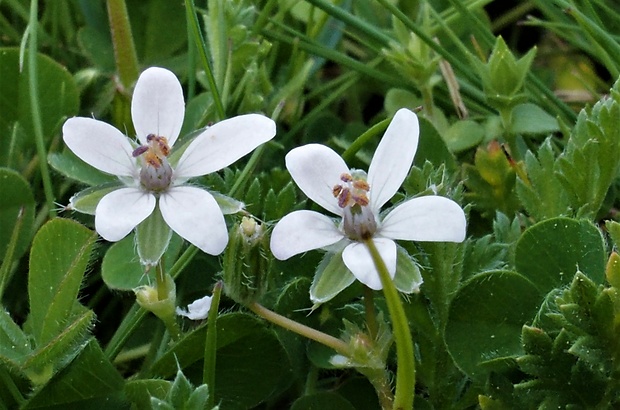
[
  {"x": 361, "y": 184},
  {"x": 346, "y": 177},
  {"x": 344, "y": 197},
  {"x": 336, "y": 190}
]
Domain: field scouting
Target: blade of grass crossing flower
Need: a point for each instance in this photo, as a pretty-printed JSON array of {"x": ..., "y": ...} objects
[
  {"x": 36, "y": 110},
  {"x": 192, "y": 22}
]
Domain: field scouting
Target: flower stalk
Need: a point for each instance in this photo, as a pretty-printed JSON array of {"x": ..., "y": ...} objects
[
  {"x": 405, "y": 373},
  {"x": 303, "y": 330}
]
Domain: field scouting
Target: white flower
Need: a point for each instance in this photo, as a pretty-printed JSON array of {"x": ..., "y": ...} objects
[
  {"x": 198, "y": 309},
  {"x": 325, "y": 178},
  {"x": 157, "y": 110}
]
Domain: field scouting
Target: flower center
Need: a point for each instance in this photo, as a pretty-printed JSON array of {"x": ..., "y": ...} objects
[
  {"x": 358, "y": 221},
  {"x": 156, "y": 173}
]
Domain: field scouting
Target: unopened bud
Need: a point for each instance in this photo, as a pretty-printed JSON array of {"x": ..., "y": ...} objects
[{"x": 246, "y": 262}]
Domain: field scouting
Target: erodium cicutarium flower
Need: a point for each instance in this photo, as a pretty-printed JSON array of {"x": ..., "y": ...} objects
[
  {"x": 356, "y": 197},
  {"x": 151, "y": 181}
]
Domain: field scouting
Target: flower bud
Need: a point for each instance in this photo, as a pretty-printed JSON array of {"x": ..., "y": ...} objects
[
  {"x": 246, "y": 262},
  {"x": 149, "y": 298}
]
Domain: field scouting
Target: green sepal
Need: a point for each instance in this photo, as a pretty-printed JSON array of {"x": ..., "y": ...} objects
[
  {"x": 331, "y": 277},
  {"x": 86, "y": 201},
  {"x": 227, "y": 204},
  {"x": 408, "y": 278},
  {"x": 152, "y": 238}
]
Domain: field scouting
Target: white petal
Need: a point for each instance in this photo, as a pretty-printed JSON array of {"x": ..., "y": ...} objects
[
  {"x": 316, "y": 169},
  {"x": 122, "y": 210},
  {"x": 301, "y": 231},
  {"x": 393, "y": 158},
  {"x": 194, "y": 214},
  {"x": 157, "y": 105},
  {"x": 100, "y": 145},
  {"x": 357, "y": 258},
  {"x": 223, "y": 143},
  {"x": 428, "y": 218},
  {"x": 198, "y": 309}
]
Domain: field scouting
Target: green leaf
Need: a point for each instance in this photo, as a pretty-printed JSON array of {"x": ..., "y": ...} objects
[
  {"x": 432, "y": 147},
  {"x": 531, "y": 119},
  {"x": 323, "y": 401},
  {"x": 589, "y": 164},
  {"x": 246, "y": 353},
  {"x": 90, "y": 381},
  {"x": 53, "y": 355},
  {"x": 121, "y": 268},
  {"x": 58, "y": 95},
  {"x": 69, "y": 165},
  {"x": 140, "y": 392},
  {"x": 486, "y": 318},
  {"x": 543, "y": 195},
  {"x": 550, "y": 252},
  {"x": 14, "y": 344},
  {"x": 59, "y": 256},
  {"x": 463, "y": 135},
  {"x": 331, "y": 278},
  {"x": 15, "y": 197}
]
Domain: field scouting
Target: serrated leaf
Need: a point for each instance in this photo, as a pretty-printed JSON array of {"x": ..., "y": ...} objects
[
  {"x": 331, "y": 277},
  {"x": 180, "y": 391},
  {"x": 253, "y": 197},
  {"x": 589, "y": 164},
  {"x": 140, "y": 392},
  {"x": 59, "y": 256},
  {"x": 286, "y": 200},
  {"x": 270, "y": 205},
  {"x": 542, "y": 195}
]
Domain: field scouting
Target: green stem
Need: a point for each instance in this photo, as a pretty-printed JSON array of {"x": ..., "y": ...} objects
[
  {"x": 303, "y": 330},
  {"x": 364, "y": 138},
  {"x": 122, "y": 39},
  {"x": 208, "y": 369},
  {"x": 9, "y": 384},
  {"x": 405, "y": 372},
  {"x": 36, "y": 108},
  {"x": 192, "y": 22}
]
